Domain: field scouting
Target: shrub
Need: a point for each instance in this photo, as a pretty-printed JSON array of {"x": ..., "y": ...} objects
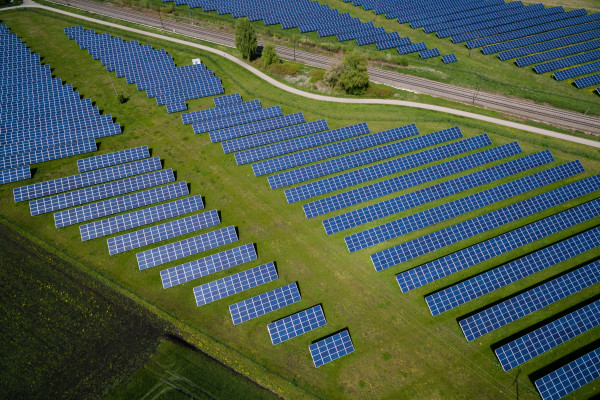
[
  {"x": 350, "y": 76},
  {"x": 316, "y": 75},
  {"x": 245, "y": 38},
  {"x": 269, "y": 56},
  {"x": 284, "y": 69}
]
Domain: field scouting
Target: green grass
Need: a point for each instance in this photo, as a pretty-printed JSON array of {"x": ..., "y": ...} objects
[{"x": 401, "y": 351}]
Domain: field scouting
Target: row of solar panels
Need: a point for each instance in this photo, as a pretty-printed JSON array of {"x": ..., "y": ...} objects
[
  {"x": 40, "y": 118},
  {"x": 293, "y": 155}
]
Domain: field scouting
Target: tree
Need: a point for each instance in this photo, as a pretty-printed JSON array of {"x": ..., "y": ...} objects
[
  {"x": 269, "y": 56},
  {"x": 245, "y": 38},
  {"x": 350, "y": 76}
]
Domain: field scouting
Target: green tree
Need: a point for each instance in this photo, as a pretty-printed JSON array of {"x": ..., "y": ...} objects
[
  {"x": 350, "y": 76},
  {"x": 269, "y": 55},
  {"x": 245, "y": 38}
]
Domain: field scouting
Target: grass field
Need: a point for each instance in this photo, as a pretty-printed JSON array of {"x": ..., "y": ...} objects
[{"x": 401, "y": 351}]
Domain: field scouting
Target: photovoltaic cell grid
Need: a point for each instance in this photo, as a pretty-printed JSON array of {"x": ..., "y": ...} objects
[
  {"x": 15, "y": 174},
  {"x": 256, "y": 127},
  {"x": 446, "y": 211},
  {"x": 235, "y": 283},
  {"x": 148, "y": 215},
  {"x": 53, "y": 153},
  {"x": 577, "y": 71},
  {"x": 516, "y": 307},
  {"x": 365, "y": 193},
  {"x": 226, "y": 100},
  {"x": 186, "y": 247},
  {"x": 570, "y": 377},
  {"x": 425, "y": 244},
  {"x": 587, "y": 81},
  {"x": 79, "y": 181},
  {"x": 426, "y": 195},
  {"x": 331, "y": 348},
  {"x": 506, "y": 274},
  {"x": 219, "y": 112},
  {"x": 207, "y": 265},
  {"x": 549, "y": 336},
  {"x": 385, "y": 168},
  {"x": 94, "y": 193},
  {"x": 496, "y": 246},
  {"x": 158, "y": 233},
  {"x": 296, "y": 324},
  {"x": 449, "y": 58},
  {"x": 226, "y": 122},
  {"x": 430, "y": 53},
  {"x": 110, "y": 159},
  {"x": 264, "y": 303}
]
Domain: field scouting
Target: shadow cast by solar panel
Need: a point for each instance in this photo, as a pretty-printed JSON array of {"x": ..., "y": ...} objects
[
  {"x": 507, "y": 261},
  {"x": 33, "y": 172},
  {"x": 332, "y": 334},
  {"x": 564, "y": 360}
]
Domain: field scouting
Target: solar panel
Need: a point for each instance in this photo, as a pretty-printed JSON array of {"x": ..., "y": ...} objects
[
  {"x": 186, "y": 247},
  {"x": 532, "y": 300},
  {"x": 449, "y": 58},
  {"x": 94, "y": 193},
  {"x": 296, "y": 324},
  {"x": 219, "y": 112},
  {"x": 79, "y": 181},
  {"x": 464, "y": 205},
  {"x": 226, "y": 100},
  {"x": 236, "y": 283},
  {"x": 158, "y": 233},
  {"x": 486, "y": 222},
  {"x": 264, "y": 303},
  {"x": 587, "y": 81},
  {"x": 570, "y": 377},
  {"x": 15, "y": 174},
  {"x": 226, "y": 122},
  {"x": 331, "y": 348},
  {"x": 255, "y": 127},
  {"x": 549, "y": 336},
  {"x": 110, "y": 159},
  {"x": 567, "y": 62},
  {"x": 53, "y": 153},
  {"x": 207, "y": 265},
  {"x": 506, "y": 274},
  {"x": 496, "y": 246},
  {"x": 429, "y": 53},
  {"x": 577, "y": 71},
  {"x": 426, "y": 195},
  {"x": 385, "y": 168},
  {"x": 148, "y": 215}
]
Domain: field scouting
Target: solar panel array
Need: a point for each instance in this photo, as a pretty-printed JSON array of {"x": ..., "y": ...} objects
[
  {"x": 496, "y": 246},
  {"x": 110, "y": 159},
  {"x": 186, "y": 247},
  {"x": 146, "y": 216},
  {"x": 516, "y": 307},
  {"x": 444, "y": 212},
  {"x": 256, "y": 127},
  {"x": 264, "y": 303},
  {"x": 430, "y": 53},
  {"x": 549, "y": 336},
  {"x": 449, "y": 58},
  {"x": 237, "y": 119},
  {"x": 227, "y": 100},
  {"x": 506, "y": 274},
  {"x": 577, "y": 71},
  {"x": 486, "y": 222},
  {"x": 587, "y": 81},
  {"x": 151, "y": 70},
  {"x": 40, "y": 118},
  {"x": 331, "y": 348},
  {"x": 392, "y": 206},
  {"x": 296, "y": 324},
  {"x": 158, "y": 233},
  {"x": 570, "y": 377},
  {"x": 207, "y": 265},
  {"x": 236, "y": 283},
  {"x": 220, "y": 112}
]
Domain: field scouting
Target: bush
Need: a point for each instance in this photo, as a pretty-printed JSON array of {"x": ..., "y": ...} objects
[
  {"x": 245, "y": 38},
  {"x": 284, "y": 69},
  {"x": 350, "y": 76},
  {"x": 382, "y": 92},
  {"x": 269, "y": 56},
  {"x": 122, "y": 99},
  {"x": 316, "y": 75}
]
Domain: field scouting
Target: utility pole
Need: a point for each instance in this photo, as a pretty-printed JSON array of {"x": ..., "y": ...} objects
[
  {"x": 161, "y": 21},
  {"x": 111, "y": 81}
]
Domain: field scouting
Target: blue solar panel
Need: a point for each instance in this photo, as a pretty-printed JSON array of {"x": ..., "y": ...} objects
[
  {"x": 587, "y": 81},
  {"x": 53, "y": 153},
  {"x": 395, "y": 205},
  {"x": 532, "y": 300},
  {"x": 444, "y": 212},
  {"x": 296, "y": 324},
  {"x": 15, "y": 174},
  {"x": 256, "y": 127},
  {"x": 110, "y": 159},
  {"x": 219, "y": 112},
  {"x": 577, "y": 71},
  {"x": 506, "y": 274},
  {"x": 496, "y": 246},
  {"x": 567, "y": 61},
  {"x": 264, "y": 303},
  {"x": 562, "y": 52},
  {"x": 549, "y": 336},
  {"x": 389, "y": 167},
  {"x": 207, "y": 265},
  {"x": 331, "y": 348},
  {"x": 301, "y": 143},
  {"x": 79, "y": 181},
  {"x": 549, "y": 45},
  {"x": 425, "y": 244},
  {"x": 429, "y": 53},
  {"x": 158, "y": 233},
  {"x": 186, "y": 247},
  {"x": 226, "y": 100},
  {"x": 570, "y": 377},
  {"x": 278, "y": 135},
  {"x": 232, "y": 120},
  {"x": 365, "y": 193},
  {"x": 449, "y": 58},
  {"x": 148, "y": 215},
  {"x": 236, "y": 283},
  {"x": 94, "y": 193}
]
